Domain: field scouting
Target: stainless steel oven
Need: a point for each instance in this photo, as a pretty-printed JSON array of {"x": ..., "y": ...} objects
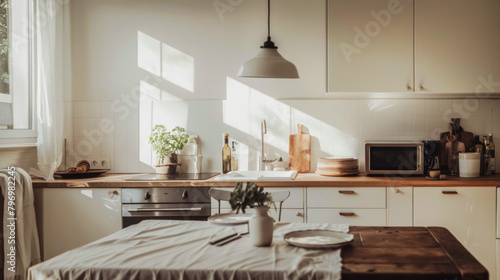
[
  {"x": 177, "y": 203},
  {"x": 394, "y": 158}
]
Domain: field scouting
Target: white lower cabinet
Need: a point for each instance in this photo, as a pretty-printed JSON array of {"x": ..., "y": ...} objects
[
  {"x": 469, "y": 213},
  {"x": 498, "y": 262},
  {"x": 400, "y": 206},
  {"x": 292, "y": 210},
  {"x": 350, "y": 205},
  {"x": 353, "y": 217},
  {"x": 71, "y": 217}
]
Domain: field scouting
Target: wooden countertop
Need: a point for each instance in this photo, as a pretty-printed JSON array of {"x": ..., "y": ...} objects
[
  {"x": 408, "y": 253},
  {"x": 302, "y": 180}
]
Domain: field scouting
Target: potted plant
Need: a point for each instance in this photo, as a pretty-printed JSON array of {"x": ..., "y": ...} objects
[
  {"x": 166, "y": 145},
  {"x": 248, "y": 194}
]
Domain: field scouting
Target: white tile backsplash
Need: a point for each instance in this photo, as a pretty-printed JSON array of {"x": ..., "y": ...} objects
[
  {"x": 80, "y": 110},
  {"x": 94, "y": 109},
  {"x": 337, "y": 127}
]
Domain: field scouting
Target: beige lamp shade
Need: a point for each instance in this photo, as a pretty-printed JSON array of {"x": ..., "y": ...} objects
[{"x": 268, "y": 64}]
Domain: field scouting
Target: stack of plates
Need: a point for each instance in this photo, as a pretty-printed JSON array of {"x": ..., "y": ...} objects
[{"x": 337, "y": 166}]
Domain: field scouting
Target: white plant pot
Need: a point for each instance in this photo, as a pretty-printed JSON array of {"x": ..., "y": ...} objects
[
  {"x": 162, "y": 169},
  {"x": 261, "y": 227}
]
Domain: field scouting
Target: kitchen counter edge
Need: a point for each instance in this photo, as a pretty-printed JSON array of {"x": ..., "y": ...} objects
[{"x": 303, "y": 180}]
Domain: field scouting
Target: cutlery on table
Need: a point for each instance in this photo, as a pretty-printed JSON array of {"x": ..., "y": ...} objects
[{"x": 226, "y": 239}]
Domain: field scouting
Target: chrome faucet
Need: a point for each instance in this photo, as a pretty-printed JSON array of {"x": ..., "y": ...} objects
[{"x": 263, "y": 161}]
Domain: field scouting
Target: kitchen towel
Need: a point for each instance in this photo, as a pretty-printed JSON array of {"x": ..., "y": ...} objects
[{"x": 20, "y": 236}]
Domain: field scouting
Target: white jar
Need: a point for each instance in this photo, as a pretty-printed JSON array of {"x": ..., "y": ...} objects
[
  {"x": 261, "y": 227},
  {"x": 469, "y": 164}
]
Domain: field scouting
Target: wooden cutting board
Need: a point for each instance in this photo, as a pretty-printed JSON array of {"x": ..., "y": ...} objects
[{"x": 299, "y": 156}]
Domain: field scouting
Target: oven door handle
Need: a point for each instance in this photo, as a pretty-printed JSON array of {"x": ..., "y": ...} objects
[{"x": 164, "y": 209}]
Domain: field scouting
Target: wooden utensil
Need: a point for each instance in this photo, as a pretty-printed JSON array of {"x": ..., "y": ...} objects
[
  {"x": 449, "y": 146},
  {"x": 459, "y": 130},
  {"x": 466, "y": 137},
  {"x": 300, "y": 151}
]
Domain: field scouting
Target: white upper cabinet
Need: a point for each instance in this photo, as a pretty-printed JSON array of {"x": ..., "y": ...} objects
[
  {"x": 370, "y": 46},
  {"x": 457, "y": 46},
  {"x": 417, "y": 47}
]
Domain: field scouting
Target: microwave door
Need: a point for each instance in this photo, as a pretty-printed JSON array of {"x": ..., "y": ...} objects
[{"x": 395, "y": 159}]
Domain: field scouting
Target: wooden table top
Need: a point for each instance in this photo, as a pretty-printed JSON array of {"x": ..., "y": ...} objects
[{"x": 408, "y": 253}]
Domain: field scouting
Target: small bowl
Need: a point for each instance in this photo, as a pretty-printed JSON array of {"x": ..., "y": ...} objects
[{"x": 434, "y": 173}]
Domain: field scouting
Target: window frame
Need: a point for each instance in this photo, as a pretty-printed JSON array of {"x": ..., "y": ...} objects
[{"x": 23, "y": 137}]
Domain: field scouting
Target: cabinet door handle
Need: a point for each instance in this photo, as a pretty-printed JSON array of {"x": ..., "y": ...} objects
[
  {"x": 408, "y": 87},
  {"x": 112, "y": 194},
  {"x": 421, "y": 87},
  {"x": 347, "y": 192},
  {"x": 299, "y": 214},
  {"x": 347, "y": 214},
  {"x": 449, "y": 192}
]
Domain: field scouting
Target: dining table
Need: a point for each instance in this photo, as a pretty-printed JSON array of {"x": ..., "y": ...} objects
[{"x": 168, "y": 249}]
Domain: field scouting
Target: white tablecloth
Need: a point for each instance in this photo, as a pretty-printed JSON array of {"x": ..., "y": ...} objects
[{"x": 164, "y": 249}]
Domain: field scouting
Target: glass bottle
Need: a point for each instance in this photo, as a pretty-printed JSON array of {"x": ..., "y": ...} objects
[
  {"x": 492, "y": 154},
  {"x": 234, "y": 156},
  {"x": 472, "y": 147},
  {"x": 226, "y": 155},
  {"x": 454, "y": 164},
  {"x": 479, "y": 149}
]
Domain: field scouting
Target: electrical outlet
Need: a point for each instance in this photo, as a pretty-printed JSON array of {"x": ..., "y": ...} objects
[
  {"x": 105, "y": 162},
  {"x": 99, "y": 162}
]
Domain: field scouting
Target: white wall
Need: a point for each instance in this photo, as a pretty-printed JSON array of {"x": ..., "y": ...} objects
[
  {"x": 24, "y": 157},
  {"x": 135, "y": 64}
]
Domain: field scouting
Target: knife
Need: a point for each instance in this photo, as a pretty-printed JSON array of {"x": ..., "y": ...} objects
[
  {"x": 226, "y": 239},
  {"x": 238, "y": 235},
  {"x": 222, "y": 238}
]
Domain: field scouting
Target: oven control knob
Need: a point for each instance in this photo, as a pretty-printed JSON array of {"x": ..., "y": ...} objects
[
  {"x": 184, "y": 194},
  {"x": 147, "y": 196}
]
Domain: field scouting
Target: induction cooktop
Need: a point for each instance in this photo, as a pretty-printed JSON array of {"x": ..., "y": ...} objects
[{"x": 170, "y": 177}]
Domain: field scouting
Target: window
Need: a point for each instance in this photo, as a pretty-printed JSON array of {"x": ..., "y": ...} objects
[{"x": 16, "y": 99}]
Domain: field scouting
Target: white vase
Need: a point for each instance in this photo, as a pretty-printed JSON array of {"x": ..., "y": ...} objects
[{"x": 261, "y": 227}]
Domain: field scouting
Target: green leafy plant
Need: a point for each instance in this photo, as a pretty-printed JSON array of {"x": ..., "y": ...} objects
[
  {"x": 248, "y": 194},
  {"x": 166, "y": 143}
]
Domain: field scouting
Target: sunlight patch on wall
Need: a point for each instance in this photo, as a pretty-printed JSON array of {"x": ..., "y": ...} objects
[
  {"x": 244, "y": 110},
  {"x": 380, "y": 105},
  {"x": 149, "y": 53},
  {"x": 177, "y": 67},
  {"x": 149, "y": 94},
  {"x": 149, "y": 90}
]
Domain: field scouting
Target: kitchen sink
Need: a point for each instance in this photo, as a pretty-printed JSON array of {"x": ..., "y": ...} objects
[{"x": 258, "y": 175}]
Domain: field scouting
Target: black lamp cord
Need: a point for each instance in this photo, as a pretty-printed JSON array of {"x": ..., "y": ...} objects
[
  {"x": 269, "y": 44},
  {"x": 269, "y": 20}
]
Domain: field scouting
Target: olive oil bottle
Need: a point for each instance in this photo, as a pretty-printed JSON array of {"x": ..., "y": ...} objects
[{"x": 226, "y": 155}]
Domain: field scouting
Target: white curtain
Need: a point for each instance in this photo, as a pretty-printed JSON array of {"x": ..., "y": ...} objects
[{"x": 48, "y": 19}]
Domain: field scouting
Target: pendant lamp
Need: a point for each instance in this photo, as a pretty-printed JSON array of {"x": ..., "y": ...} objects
[{"x": 268, "y": 63}]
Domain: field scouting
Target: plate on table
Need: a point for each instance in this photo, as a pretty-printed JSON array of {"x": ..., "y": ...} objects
[
  {"x": 230, "y": 219},
  {"x": 75, "y": 175},
  {"x": 318, "y": 238}
]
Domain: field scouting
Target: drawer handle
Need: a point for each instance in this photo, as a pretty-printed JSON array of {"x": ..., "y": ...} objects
[
  {"x": 347, "y": 192},
  {"x": 347, "y": 214},
  {"x": 449, "y": 192}
]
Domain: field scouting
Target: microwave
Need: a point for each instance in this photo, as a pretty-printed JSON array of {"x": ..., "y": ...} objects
[{"x": 394, "y": 158}]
